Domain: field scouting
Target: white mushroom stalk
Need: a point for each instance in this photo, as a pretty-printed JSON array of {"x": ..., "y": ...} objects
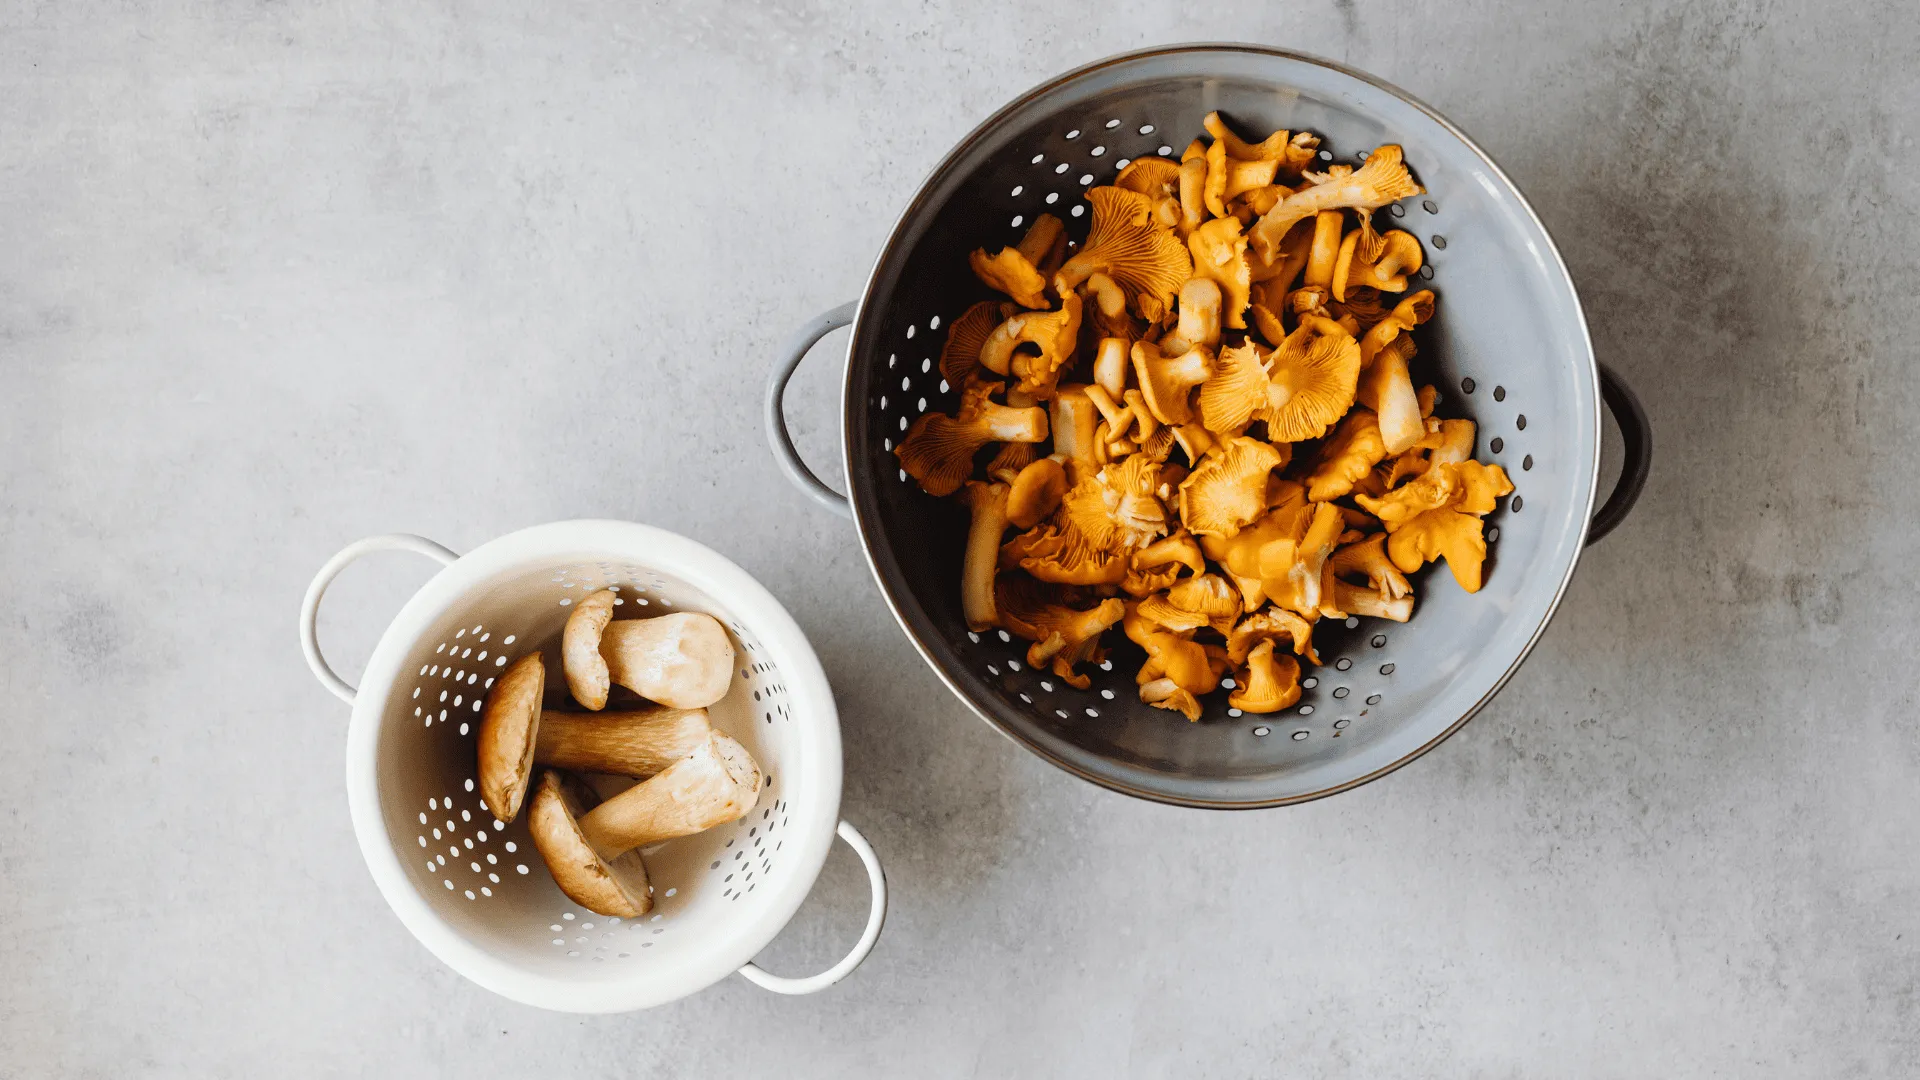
[
  {"x": 593, "y": 851},
  {"x": 515, "y": 733}
]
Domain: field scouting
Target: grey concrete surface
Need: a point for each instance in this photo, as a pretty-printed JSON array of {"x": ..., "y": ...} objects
[{"x": 275, "y": 276}]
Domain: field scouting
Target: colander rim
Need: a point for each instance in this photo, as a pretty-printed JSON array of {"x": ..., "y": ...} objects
[
  {"x": 917, "y": 205},
  {"x": 820, "y": 767}
]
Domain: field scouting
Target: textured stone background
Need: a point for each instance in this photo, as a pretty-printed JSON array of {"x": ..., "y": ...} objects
[{"x": 276, "y": 276}]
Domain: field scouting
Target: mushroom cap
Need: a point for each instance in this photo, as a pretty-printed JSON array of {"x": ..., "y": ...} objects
[
  {"x": 1316, "y": 370},
  {"x": 1036, "y": 492},
  {"x": 509, "y": 728},
  {"x": 1291, "y": 572},
  {"x": 1215, "y": 189},
  {"x": 1349, "y": 454},
  {"x": 1228, "y": 489},
  {"x": 1397, "y": 255},
  {"x": 1165, "y": 382},
  {"x": 1010, "y": 459},
  {"x": 938, "y": 449},
  {"x": 1040, "y": 613},
  {"x": 1269, "y": 682},
  {"x": 1368, "y": 558},
  {"x": 683, "y": 660},
  {"x": 1270, "y": 624},
  {"x": 1154, "y": 177},
  {"x": 1117, "y": 509},
  {"x": 616, "y": 886},
  {"x": 1010, "y": 272},
  {"x": 1167, "y": 694},
  {"x": 1203, "y": 600},
  {"x": 960, "y": 355},
  {"x": 1126, "y": 244},
  {"x": 1220, "y": 255},
  {"x": 1238, "y": 388},
  {"x": 1063, "y": 555},
  {"x": 1440, "y": 486},
  {"x": 580, "y": 659},
  {"x": 1441, "y": 533}
]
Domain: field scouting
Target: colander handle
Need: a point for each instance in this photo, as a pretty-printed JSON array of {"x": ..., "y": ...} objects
[
  {"x": 778, "y": 437},
  {"x": 310, "y": 607},
  {"x": 1637, "y": 435},
  {"x": 876, "y": 916}
]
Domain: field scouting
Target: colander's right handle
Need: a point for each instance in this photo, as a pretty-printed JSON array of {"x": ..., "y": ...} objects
[
  {"x": 1637, "y": 435},
  {"x": 310, "y": 607},
  {"x": 876, "y": 916},
  {"x": 778, "y": 437}
]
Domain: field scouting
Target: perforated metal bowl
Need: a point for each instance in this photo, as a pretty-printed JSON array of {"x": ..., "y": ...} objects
[{"x": 1508, "y": 349}]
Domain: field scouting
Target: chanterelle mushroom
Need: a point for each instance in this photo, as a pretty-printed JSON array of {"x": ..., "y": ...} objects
[
  {"x": 1126, "y": 244},
  {"x": 1062, "y": 635},
  {"x": 1383, "y": 179},
  {"x": 1035, "y": 494},
  {"x": 1385, "y": 386},
  {"x": 1167, "y": 381},
  {"x": 1347, "y": 456},
  {"x": 989, "y": 505},
  {"x": 1268, "y": 684},
  {"x": 594, "y": 856},
  {"x": 1386, "y": 270},
  {"x": 1314, "y": 373},
  {"x": 1229, "y": 488},
  {"x": 1017, "y": 271},
  {"x": 515, "y": 734},
  {"x": 1220, "y": 256},
  {"x": 938, "y": 450},
  {"x": 1441, "y": 533},
  {"x": 1054, "y": 334},
  {"x": 960, "y": 355},
  {"x": 684, "y": 660}
]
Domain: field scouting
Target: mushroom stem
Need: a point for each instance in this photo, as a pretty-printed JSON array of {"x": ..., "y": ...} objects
[
  {"x": 989, "y": 505},
  {"x": 639, "y": 743},
  {"x": 715, "y": 784}
]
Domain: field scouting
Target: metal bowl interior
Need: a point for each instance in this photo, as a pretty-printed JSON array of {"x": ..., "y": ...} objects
[{"x": 1508, "y": 349}]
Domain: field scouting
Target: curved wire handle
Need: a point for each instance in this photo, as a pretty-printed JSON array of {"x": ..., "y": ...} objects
[
  {"x": 876, "y": 917},
  {"x": 310, "y": 607},
  {"x": 1637, "y": 434},
  {"x": 778, "y": 436}
]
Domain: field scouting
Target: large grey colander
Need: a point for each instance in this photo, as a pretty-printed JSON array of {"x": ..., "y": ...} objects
[{"x": 1508, "y": 349}]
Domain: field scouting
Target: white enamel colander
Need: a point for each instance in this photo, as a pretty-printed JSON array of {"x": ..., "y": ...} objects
[{"x": 474, "y": 891}]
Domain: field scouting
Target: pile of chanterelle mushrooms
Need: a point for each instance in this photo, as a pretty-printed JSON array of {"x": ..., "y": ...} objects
[
  {"x": 1237, "y": 446},
  {"x": 692, "y": 777}
]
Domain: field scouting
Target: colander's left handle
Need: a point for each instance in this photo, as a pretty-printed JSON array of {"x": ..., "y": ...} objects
[
  {"x": 876, "y": 917},
  {"x": 778, "y": 436},
  {"x": 310, "y": 607}
]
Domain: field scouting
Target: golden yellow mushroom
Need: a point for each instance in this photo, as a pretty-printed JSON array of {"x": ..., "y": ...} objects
[
  {"x": 1442, "y": 533},
  {"x": 1314, "y": 373},
  {"x": 960, "y": 355},
  {"x": 1398, "y": 255},
  {"x": 1228, "y": 490},
  {"x": 1062, "y": 636},
  {"x": 1154, "y": 177},
  {"x": 1383, "y": 179},
  {"x": 1352, "y": 452},
  {"x": 1267, "y": 683},
  {"x": 938, "y": 449},
  {"x": 1126, "y": 244},
  {"x": 1165, "y": 382},
  {"x": 1220, "y": 256}
]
